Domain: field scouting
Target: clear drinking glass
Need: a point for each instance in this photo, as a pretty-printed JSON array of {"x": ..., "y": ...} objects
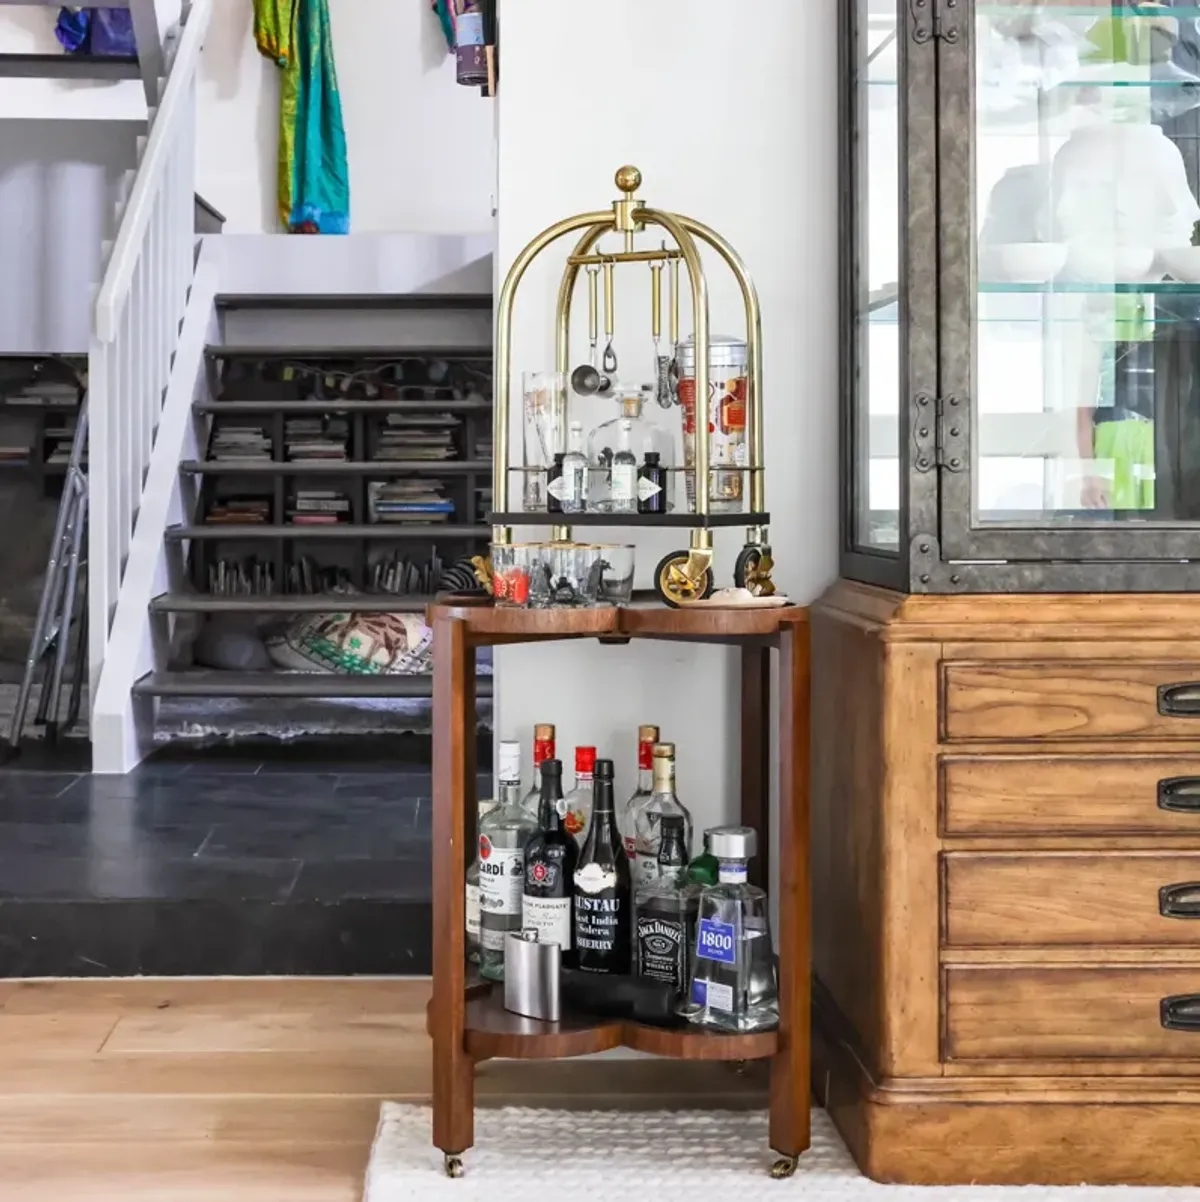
[{"x": 545, "y": 431}]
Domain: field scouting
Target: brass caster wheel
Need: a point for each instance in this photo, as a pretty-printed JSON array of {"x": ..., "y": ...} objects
[
  {"x": 676, "y": 585},
  {"x": 785, "y": 1166},
  {"x": 452, "y": 1165},
  {"x": 752, "y": 570}
]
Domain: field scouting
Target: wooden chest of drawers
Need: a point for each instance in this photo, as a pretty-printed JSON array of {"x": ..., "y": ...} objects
[{"x": 1006, "y": 873}]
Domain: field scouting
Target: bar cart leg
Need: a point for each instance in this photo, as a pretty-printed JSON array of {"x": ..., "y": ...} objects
[
  {"x": 453, "y": 799},
  {"x": 789, "y": 1089},
  {"x": 756, "y": 756}
]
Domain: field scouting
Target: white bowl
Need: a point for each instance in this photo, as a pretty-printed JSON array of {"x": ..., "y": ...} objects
[
  {"x": 1109, "y": 264},
  {"x": 1022, "y": 262},
  {"x": 1182, "y": 263}
]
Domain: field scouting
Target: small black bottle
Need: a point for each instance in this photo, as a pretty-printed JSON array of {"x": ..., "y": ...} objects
[
  {"x": 603, "y": 897},
  {"x": 652, "y": 485},
  {"x": 550, "y": 859},
  {"x": 554, "y": 474}
]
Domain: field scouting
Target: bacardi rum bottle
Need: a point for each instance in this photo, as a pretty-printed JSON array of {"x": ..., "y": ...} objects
[
  {"x": 577, "y": 805},
  {"x": 550, "y": 860},
  {"x": 603, "y": 917},
  {"x": 502, "y": 838},
  {"x": 472, "y": 889},
  {"x": 543, "y": 750},
  {"x": 647, "y": 737},
  {"x": 648, "y": 820}
]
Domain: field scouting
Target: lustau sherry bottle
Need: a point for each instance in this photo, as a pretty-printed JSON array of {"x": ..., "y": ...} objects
[
  {"x": 603, "y": 899},
  {"x": 550, "y": 861}
]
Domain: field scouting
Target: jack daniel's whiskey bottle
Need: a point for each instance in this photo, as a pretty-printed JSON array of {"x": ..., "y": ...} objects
[
  {"x": 665, "y": 927},
  {"x": 602, "y": 887}
]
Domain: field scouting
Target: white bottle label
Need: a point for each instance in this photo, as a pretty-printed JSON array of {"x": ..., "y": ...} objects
[
  {"x": 719, "y": 996},
  {"x": 551, "y": 918},
  {"x": 574, "y": 483},
  {"x": 624, "y": 482},
  {"x": 644, "y": 869},
  {"x": 647, "y": 489},
  {"x": 473, "y": 911},
  {"x": 558, "y": 488},
  {"x": 501, "y": 884},
  {"x": 593, "y": 878}
]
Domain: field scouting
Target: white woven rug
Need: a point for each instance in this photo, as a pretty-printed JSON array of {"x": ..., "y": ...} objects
[{"x": 656, "y": 1156}]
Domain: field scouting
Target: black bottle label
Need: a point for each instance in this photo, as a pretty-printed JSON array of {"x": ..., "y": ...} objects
[{"x": 662, "y": 948}]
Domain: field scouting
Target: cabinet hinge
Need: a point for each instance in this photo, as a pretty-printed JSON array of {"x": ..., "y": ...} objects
[
  {"x": 934, "y": 19},
  {"x": 937, "y": 433}
]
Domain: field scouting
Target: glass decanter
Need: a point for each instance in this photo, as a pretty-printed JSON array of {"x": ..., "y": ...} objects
[
  {"x": 644, "y": 435},
  {"x": 734, "y": 985}
]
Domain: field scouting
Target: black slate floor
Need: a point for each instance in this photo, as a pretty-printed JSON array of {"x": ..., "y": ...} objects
[{"x": 241, "y": 860}]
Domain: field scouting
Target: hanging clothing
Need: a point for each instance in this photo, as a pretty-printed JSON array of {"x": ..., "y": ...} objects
[
  {"x": 314, "y": 174},
  {"x": 100, "y": 31}
]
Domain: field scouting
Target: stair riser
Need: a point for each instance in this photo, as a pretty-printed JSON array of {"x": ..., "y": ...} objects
[{"x": 332, "y": 328}]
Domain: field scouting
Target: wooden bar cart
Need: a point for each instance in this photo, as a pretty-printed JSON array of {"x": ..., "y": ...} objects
[{"x": 466, "y": 1018}]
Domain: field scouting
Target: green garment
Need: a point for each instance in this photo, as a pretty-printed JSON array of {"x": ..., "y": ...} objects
[
  {"x": 1129, "y": 446},
  {"x": 314, "y": 175}
]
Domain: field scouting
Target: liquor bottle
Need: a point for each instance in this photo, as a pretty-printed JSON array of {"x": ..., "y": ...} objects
[
  {"x": 664, "y": 931},
  {"x": 472, "y": 889},
  {"x": 602, "y": 888},
  {"x": 647, "y": 737},
  {"x": 734, "y": 985},
  {"x": 573, "y": 482},
  {"x": 550, "y": 860},
  {"x": 577, "y": 805},
  {"x": 646, "y": 436},
  {"x": 648, "y": 819},
  {"x": 624, "y": 495},
  {"x": 704, "y": 868},
  {"x": 502, "y": 838},
  {"x": 554, "y": 475},
  {"x": 652, "y": 485},
  {"x": 543, "y": 750}
]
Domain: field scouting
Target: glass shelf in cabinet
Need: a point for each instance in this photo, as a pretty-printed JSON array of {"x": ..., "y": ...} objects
[
  {"x": 1114, "y": 12},
  {"x": 1076, "y": 287}
]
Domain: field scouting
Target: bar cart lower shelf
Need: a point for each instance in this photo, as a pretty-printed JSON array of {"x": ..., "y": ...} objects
[{"x": 466, "y": 1017}]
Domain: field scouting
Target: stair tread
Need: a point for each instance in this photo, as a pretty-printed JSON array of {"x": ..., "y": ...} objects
[
  {"x": 205, "y": 682},
  {"x": 258, "y": 350},
  {"x": 291, "y": 467},
  {"x": 432, "y": 531},
  {"x": 425, "y": 405},
  {"x": 355, "y": 300},
  {"x": 69, "y": 66},
  {"x": 317, "y": 603}
]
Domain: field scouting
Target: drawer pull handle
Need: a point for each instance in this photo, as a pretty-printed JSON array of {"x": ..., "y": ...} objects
[
  {"x": 1180, "y": 793},
  {"x": 1180, "y": 1013},
  {"x": 1180, "y": 901},
  {"x": 1179, "y": 700}
]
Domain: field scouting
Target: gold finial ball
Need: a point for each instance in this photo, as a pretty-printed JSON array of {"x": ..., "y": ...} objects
[{"x": 629, "y": 179}]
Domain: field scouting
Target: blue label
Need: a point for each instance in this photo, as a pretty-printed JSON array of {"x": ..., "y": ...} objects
[
  {"x": 700, "y": 992},
  {"x": 715, "y": 941}
]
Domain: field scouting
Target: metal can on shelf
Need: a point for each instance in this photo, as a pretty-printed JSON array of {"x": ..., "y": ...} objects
[{"x": 728, "y": 390}]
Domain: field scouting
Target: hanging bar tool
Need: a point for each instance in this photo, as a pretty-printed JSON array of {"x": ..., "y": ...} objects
[{"x": 586, "y": 379}]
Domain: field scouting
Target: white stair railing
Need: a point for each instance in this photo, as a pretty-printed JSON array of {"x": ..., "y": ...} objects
[{"x": 136, "y": 325}]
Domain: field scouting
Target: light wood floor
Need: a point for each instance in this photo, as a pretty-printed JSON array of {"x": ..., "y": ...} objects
[{"x": 249, "y": 1090}]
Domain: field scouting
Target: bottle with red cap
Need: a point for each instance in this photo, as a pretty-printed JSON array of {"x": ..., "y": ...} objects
[
  {"x": 577, "y": 805},
  {"x": 543, "y": 750}
]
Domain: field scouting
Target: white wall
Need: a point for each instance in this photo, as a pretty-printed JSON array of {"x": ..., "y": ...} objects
[
  {"x": 420, "y": 146},
  {"x": 731, "y": 116}
]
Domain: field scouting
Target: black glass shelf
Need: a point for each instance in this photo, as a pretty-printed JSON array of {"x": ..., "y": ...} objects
[{"x": 679, "y": 521}]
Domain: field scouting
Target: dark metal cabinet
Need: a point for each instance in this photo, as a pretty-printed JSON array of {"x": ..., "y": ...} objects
[{"x": 1020, "y": 298}]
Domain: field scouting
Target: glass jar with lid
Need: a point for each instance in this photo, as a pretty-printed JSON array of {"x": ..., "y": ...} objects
[
  {"x": 646, "y": 438},
  {"x": 727, "y": 393}
]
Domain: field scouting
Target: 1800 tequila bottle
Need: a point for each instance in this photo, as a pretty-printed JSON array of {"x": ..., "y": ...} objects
[{"x": 734, "y": 984}]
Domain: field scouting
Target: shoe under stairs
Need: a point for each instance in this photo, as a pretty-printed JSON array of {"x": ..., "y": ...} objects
[{"x": 322, "y": 359}]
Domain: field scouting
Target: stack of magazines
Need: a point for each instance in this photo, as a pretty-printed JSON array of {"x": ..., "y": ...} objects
[
  {"x": 319, "y": 507},
  {"x": 236, "y": 441},
  {"x": 239, "y": 511},
  {"x": 317, "y": 439},
  {"x": 429, "y": 438},
  {"x": 414, "y": 500}
]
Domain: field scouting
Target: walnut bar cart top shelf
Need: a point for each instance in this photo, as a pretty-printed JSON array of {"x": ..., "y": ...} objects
[{"x": 466, "y": 1017}]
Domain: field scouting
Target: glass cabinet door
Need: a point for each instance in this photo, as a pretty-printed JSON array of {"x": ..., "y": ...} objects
[{"x": 1069, "y": 335}]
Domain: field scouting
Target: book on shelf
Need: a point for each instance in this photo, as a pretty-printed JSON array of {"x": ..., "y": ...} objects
[{"x": 239, "y": 511}]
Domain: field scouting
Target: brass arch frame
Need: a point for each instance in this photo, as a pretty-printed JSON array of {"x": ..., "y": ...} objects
[{"x": 629, "y": 217}]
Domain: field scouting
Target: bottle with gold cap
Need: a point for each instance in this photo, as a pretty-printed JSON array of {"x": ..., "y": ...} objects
[
  {"x": 648, "y": 818},
  {"x": 543, "y": 749},
  {"x": 626, "y": 820}
]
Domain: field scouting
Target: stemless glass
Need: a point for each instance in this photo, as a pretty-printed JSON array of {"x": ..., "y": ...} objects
[{"x": 545, "y": 431}]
